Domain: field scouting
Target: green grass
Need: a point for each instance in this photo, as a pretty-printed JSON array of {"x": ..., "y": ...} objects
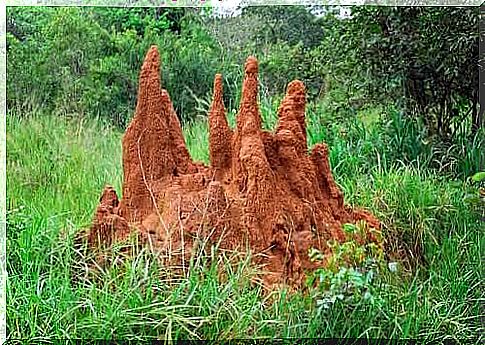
[{"x": 58, "y": 167}]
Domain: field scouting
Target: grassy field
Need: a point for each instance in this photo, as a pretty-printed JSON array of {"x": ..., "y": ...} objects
[{"x": 57, "y": 168}]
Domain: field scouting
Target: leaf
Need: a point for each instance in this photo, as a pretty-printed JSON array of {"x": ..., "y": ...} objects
[
  {"x": 350, "y": 228},
  {"x": 479, "y": 176}
]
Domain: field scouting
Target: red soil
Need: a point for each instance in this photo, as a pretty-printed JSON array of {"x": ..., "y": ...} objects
[{"x": 262, "y": 189}]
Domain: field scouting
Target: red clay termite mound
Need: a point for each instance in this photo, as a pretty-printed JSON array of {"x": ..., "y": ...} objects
[{"x": 262, "y": 189}]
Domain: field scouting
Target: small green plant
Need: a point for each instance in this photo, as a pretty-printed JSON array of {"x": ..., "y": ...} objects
[
  {"x": 353, "y": 252},
  {"x": 351, "y": 269},
  {"x": 350, "y": 286}
]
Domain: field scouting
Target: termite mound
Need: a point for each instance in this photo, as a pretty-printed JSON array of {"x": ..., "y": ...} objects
[{"x": 262, "y": 189}]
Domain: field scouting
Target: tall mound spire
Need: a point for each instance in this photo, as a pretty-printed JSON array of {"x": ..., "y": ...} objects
[
  {"x": 153, "y": 144},
  {"x": 220, "y": 135},
  {"x": 248, "y": 116}
]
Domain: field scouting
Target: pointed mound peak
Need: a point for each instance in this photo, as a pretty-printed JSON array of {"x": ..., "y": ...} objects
[
  {"x": 297, "y": 92},
  {"x": 217, "y": 106},
  {"x": 220, "y": 135},
  {"x": 218, "y": 87},
  {"x": 109, "y": 197},
  {"x": 151, "y": 64},
  {"x": 152, "y": 54},
  {"x": 250, "y": 89},
  {"x": 292, "y": 113},
  {"x": 296, "y": 88},
  {"x": 251, "y": 65}
]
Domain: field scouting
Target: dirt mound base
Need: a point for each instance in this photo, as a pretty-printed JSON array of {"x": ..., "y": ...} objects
[{"x": 262, "y": 189}]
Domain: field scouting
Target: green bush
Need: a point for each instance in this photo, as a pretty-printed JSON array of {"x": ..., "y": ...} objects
[{"x": 85, "y": 62}]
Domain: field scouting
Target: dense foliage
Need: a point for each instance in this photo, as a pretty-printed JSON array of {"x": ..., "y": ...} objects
[
  {"x": 427, "y": 59},
  {"x": 422, "y": 59},
  {"x": 86, "y": 60}
]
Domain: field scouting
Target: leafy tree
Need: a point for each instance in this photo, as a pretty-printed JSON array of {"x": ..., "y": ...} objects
[
  {"x": 425, "y": 58},
  {"x": 290, "y": 24}
]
